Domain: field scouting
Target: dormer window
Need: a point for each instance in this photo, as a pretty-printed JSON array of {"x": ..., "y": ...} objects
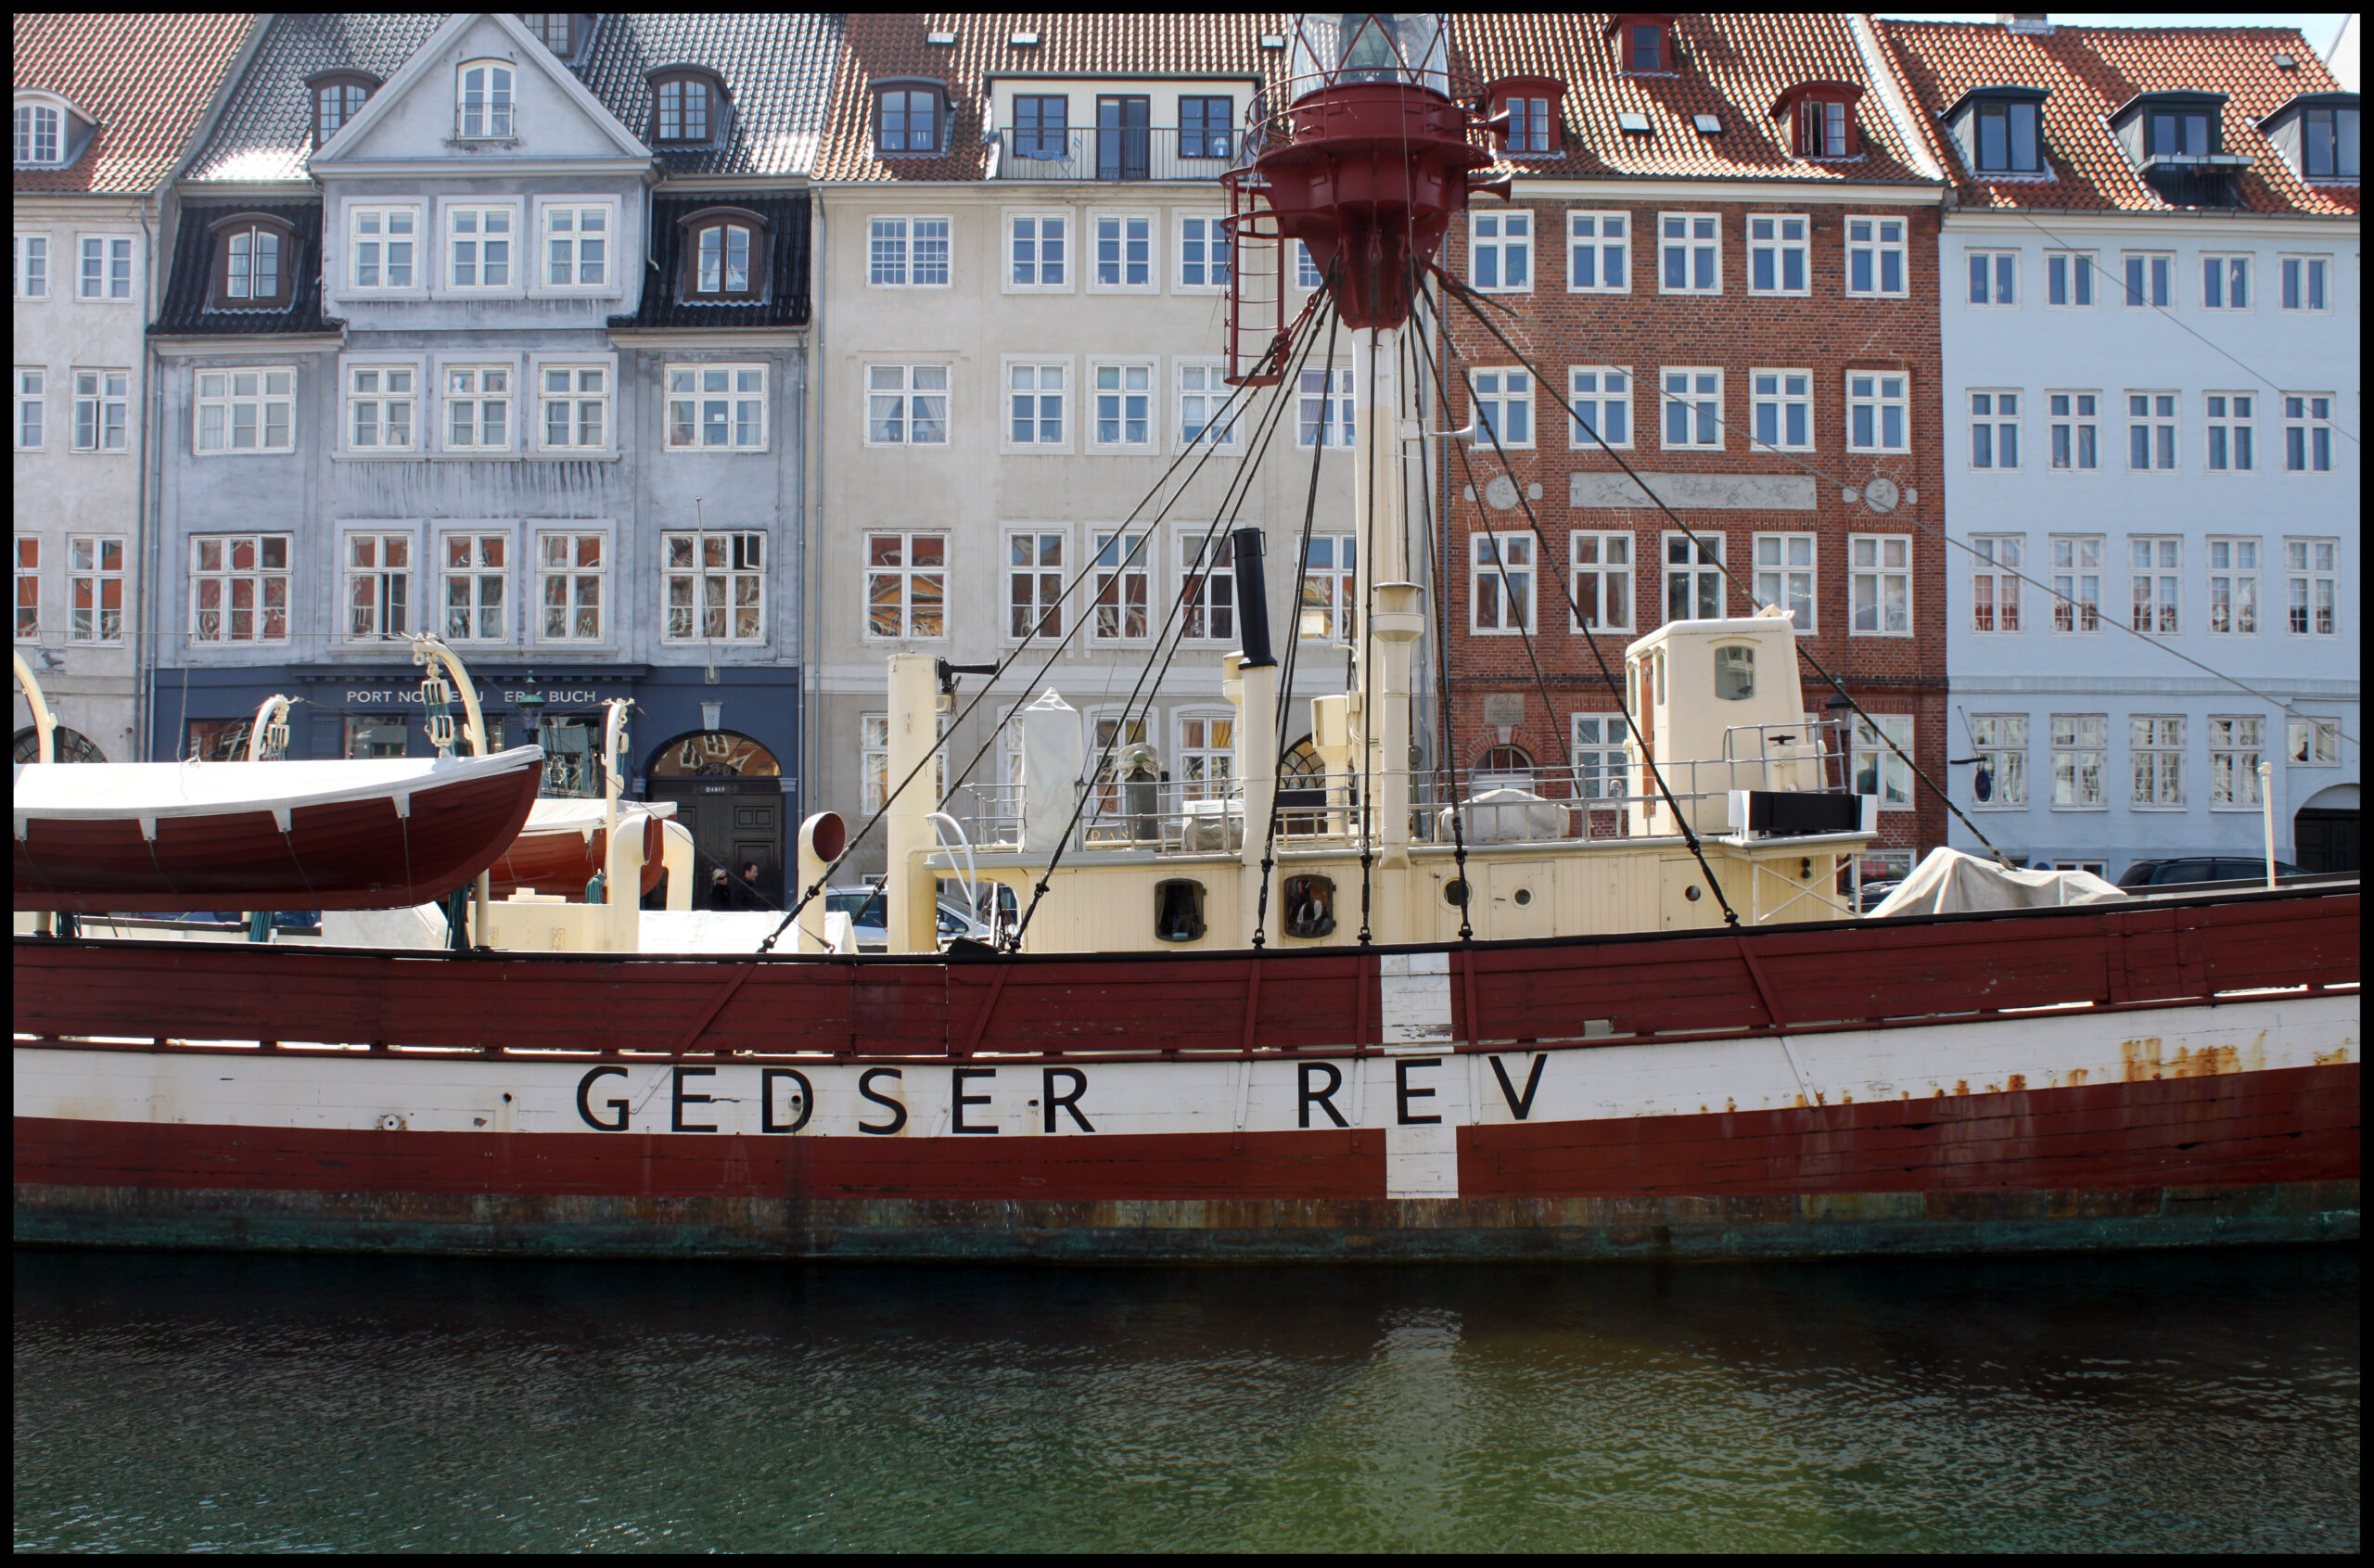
[
  {"x": 338, "y": 95},
  {"x": 2000, "y": 129},
  {"x": 2316, "y": 132},
  {"x": 255, "y": 263},
  {"x": 726, "y": 254},
  {"x": 910, "y": 117},
  {"x": 41, "y": 135},
  {"x": 484, "y": 107},
  {"x": 687, "y": 106},
  {"x": 557, "y": 31},
  {"x": 1643, "y": 41},
  {"x": 2179, "y": 132},
  {"x": 1532, "y": 104},
  {"x": 2178, "y": 142},
  {"x": 1822, "y": 119}
]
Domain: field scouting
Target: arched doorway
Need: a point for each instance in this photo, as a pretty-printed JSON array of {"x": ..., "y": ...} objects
[
  {"x": 728, "y": 792},
  {"x": 2324, "y": 831},
  {"x": 67, "y": 745}
]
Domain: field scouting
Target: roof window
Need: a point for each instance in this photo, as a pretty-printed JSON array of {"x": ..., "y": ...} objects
[
  {"x": 2317, "y": 134},
  {"x": 909, "y": 116},
  {"x": 338, "y": 95},
  {"x": 51, "y": 132},
  {"x": 1999, "y": 129},
  {"x": 725, "y": 255},
  {"x": 1822, "y": 119},
  {"x": 564, "y": 32},
  {"x": 1632, "y": 124},
  {"x": 1524, "y": 111},
  {"x": 2178, "y": 142},
  {"x": 1644, "y": 42},
  {"x": 688, "y": 106},
  {"x": 254, "y": 265}
]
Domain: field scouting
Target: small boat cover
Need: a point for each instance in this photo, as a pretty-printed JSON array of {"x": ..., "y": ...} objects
[
  {"x": 128, "y": 791},
  {"x": 1949, "y": 882}
]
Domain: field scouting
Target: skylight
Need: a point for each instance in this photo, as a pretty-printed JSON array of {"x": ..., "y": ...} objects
[
  {"x": 1707, "y": 124},
  {"x": 1635, "y": 123}
]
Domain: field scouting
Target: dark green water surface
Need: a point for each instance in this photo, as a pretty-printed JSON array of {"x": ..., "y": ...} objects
[{"x": 2202, "y": 1402}]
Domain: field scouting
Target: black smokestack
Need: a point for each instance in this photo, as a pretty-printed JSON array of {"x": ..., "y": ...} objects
[{"x": 1252, "y": 598}]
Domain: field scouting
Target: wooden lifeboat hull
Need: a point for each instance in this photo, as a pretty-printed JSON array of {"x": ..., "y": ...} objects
[
  {"x": 180, "y": 837},
  {"x": 561, "y": 856}
]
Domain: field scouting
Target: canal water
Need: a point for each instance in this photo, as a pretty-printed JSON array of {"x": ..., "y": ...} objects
[{"x": 2199, "y": 1403}]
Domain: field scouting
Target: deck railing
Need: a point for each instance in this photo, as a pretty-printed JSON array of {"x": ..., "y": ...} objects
[{"x": 1116, "y": 157}]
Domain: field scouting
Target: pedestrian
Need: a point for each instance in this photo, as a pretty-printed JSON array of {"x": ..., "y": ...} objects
[
  {"x": 721, "y": 889},
  {"x": 750, "y": 885}
]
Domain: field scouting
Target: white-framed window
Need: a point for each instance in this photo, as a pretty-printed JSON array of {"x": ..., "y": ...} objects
[
  {"x": 1875, "y": 411},
  {"x": 28, "y": 567},
  {"x": 1036, "y": 560},
  {"x": 107, "y": 268},
  {"x": 2306, "y": 282},
  {"x": 1995, "y": 430},
  {"x": 95, "y": 588},
  {"x": 30, "y": 254},
  {"x": 906, "y": 405},
  {"x": 2307, "y": 433},
  {"x": 1599, "y": 252},
  {"x": 1784, "y": 575},
  {"x": 382, "y": 408},
  {"x": 2069, "y": 280},
  {"x": 478, "y": 406},
  {"x": 1206, "y": 588},
  {"x": 1875, "y": 256},
  {"x": 1603, "y": 567},
  {"x": 2154, "y": 566},
  {"x": 908, "y": 252},
  {"x": 1206, "y": 763},
  {"x": 572, "y": 585},
  {"x": 1994, "y": 277},
  {"x": 246, "y": 410},
  {"x": 1503, "y": 407},
  {"x": 383, "y": 250},
  {"x": 1783, "y": 401},
  {"x": 1038, "y": 395},
  {"x": 1996, "y": 561},
  {"x": 2235, "y": 746},
  {"x": 40, "y": 134},
  {"x": 2151, "y": 279},
  {"x": 1878, "y": 769},
  {"x": 239, "y": 587},
  {"x": 1038, "y": 253},
  {"x": 1693, "y": 407},
  {"x": 30, "y": 405},
  {"x": 2000, "y": 742},
  {"x": 723, "y": 407},
  {"x": 577, "y": 253},
  {"x": 1601, "y": 399},
  {"x": 874, "y": 757},
  {"x": 2079, "y": 740},
  {"x": 2076, "y": 429},
  {"x": 716, "y": 585},
  {"x": 1778, "y": 260},
  {"x": 2225, "y": 283},
  {"x": 2312, "y": 586},
  {"x": 1500, "y": 252},
  {"x": 2151, "y": 432},
  {"x": 1501, "y": 583},
  {"x": 1880, "y": 583},
  {"x": 1121, "y": 587},
  {"x": 2233, "y": 439},
  {"x": 102, "y": 410},
  {"x": 2155, "y": 751},
  {"x": 1690, "y": 255},
  {"x": 2077, "y": 582},
  {"x": 1323, "y": 408},
  {"x": 2233, "y": 586},
  {"x": 1330, "y": 579},
  {"x": 479, "y": 248},
  {"x": 1202, "y": 253},
  {"x": 474, "y": 585},
  {"x": 1601, "y": 766},
  {"x": 1124, "y": 260},
  {"x": 573, "y": 413},
  {"x": 378, "y": 572},
  {"x": 1122, "y": 414},
  {"x": 1307, "y": 273},
  {"x": 1693, "y": 577},
  {"x": 906, "y": 585},
  {"x": 2313, "y": 743},
  {"x": 484, "y": 109},
  {"x": 1204, "y": 412}
]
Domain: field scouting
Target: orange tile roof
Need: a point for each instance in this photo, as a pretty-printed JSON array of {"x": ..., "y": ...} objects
[
  {"x": 2090, "y": 71},
  {"x": 147, "y": 79}
]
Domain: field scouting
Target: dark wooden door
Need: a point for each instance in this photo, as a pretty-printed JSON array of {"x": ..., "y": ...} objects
[
  {"x": 733, "y": 824},
  {"x": 2325, "y": 840}
]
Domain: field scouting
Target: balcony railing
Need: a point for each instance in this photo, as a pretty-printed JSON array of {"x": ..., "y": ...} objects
[{"x": 1117, "y": 157}]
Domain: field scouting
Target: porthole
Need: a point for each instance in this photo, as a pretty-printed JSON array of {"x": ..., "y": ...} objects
[
  {"x": 1691, "y": 892},
  {"x": 1524, "y": 895},
  {"x": 1310, "y": 906},
  {"x": 1178, "y": 911},
  {"x": 1455, "y": 893}
]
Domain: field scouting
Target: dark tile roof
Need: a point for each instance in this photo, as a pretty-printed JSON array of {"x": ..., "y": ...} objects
[
  {"x": 880, "y": 46},
  {"x": 786, "y": 302},
  {"x": 2090, "y": 71},
  {"x": 267, "y": 133},
  {"x": 147, "y": 79},
  {"x": 777, "y": 67},
  {"x": 184, "y": 312}
]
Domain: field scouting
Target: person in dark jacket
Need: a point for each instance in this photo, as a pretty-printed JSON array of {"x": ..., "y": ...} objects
[{"x": 721, "y": 889}]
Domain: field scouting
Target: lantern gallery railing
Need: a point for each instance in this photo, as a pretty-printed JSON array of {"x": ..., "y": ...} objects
[{"x": 1116, "y": 155}]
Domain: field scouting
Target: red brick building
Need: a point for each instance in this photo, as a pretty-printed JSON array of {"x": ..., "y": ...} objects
[{"x": 1721, "y": 251}]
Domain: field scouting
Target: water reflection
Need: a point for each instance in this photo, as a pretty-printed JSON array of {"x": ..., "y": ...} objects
[{"x": 2132, "y": 1403}]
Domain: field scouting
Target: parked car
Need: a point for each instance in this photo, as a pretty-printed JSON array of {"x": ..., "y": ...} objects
[
  {"x": 869, "y": 921},
  {"x": 2201, "y": 867}
]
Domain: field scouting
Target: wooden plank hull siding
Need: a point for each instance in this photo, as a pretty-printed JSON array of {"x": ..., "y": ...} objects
[{"x": 2176, "y": 1076}]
